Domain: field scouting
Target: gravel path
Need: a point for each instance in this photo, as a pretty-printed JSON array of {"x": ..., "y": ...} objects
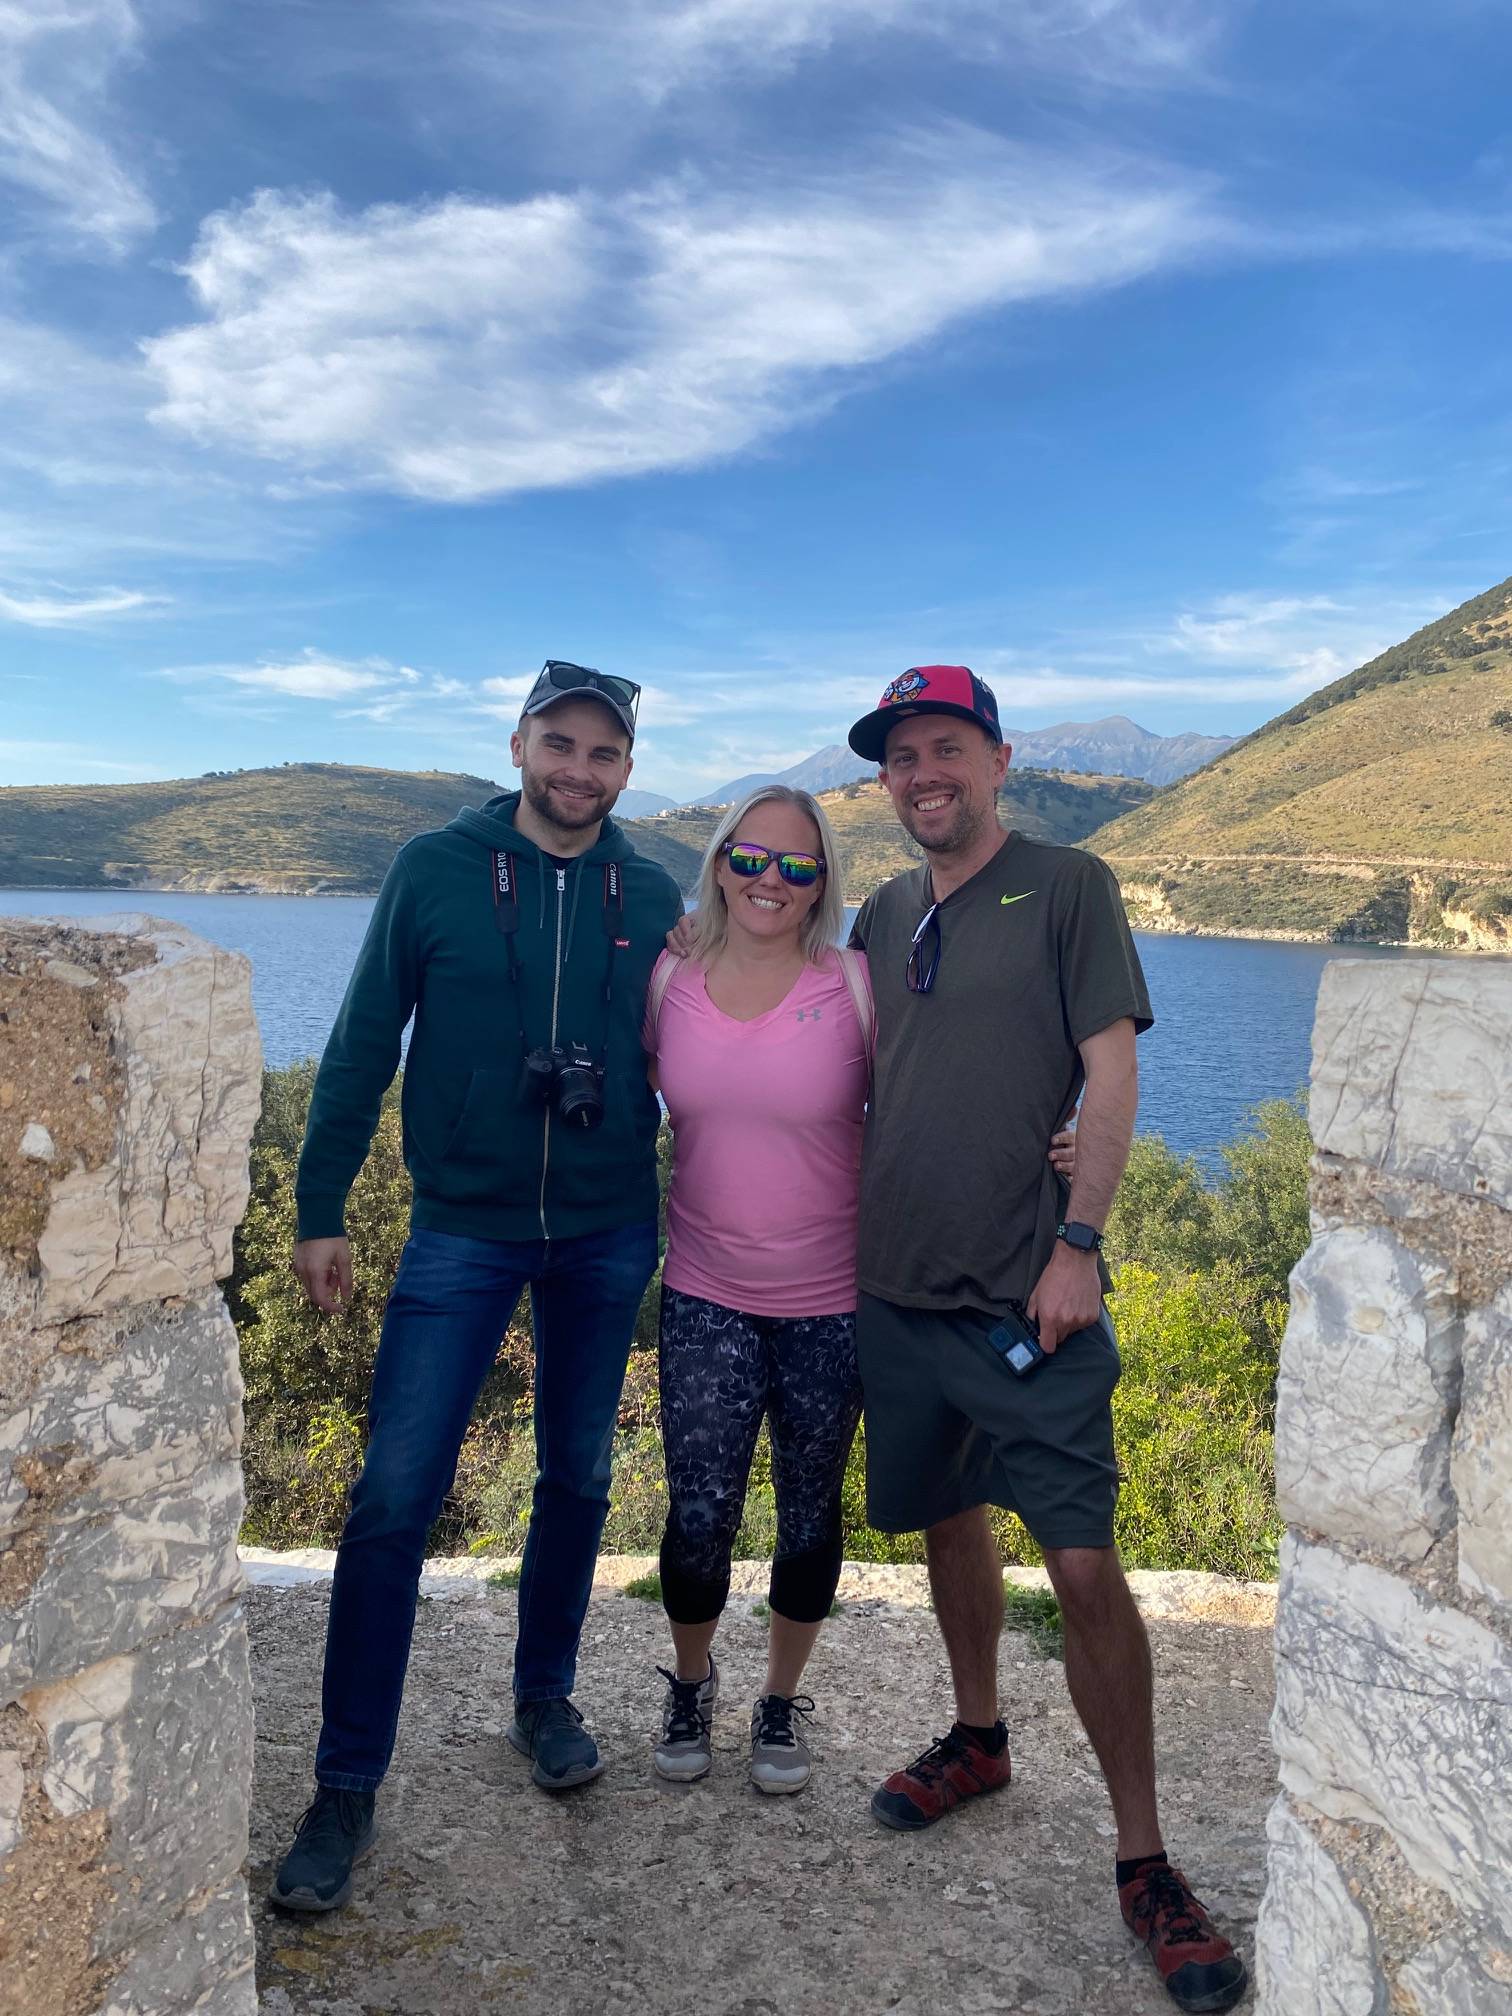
[{"x": 631, "y": 1895}]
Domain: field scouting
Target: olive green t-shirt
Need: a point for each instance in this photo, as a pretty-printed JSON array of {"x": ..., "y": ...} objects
[{"x": 958, "y": 1203}]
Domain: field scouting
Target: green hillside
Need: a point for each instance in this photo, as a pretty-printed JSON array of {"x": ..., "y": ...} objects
[
  {"x": 1379, "y": 808},
  {"x": 303, "y": 828},
  {"x": 327, "y": 828},
  {"x": 1046, "y": 805}
]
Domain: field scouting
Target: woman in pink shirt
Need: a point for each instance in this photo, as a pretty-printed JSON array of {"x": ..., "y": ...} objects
[
  {"x": 760, "y": 1040},
  {"x": 761, "y": 1056}
]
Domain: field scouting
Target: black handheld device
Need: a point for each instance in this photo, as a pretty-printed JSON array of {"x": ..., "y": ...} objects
[{"x": 1016, "y": 1341}]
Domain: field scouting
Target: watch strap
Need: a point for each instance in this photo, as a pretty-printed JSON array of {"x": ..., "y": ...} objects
[{"x": 1080, "y": 1238}]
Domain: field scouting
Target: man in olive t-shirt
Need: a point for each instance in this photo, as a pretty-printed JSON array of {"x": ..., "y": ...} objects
[{"x": 1006, "y": 985}]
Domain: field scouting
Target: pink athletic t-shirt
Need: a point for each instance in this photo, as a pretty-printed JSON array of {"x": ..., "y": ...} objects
[{"x": 767, "y": 1115}]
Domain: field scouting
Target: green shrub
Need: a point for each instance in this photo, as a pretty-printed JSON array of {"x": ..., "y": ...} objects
[
  {"x": 1201, "y": 1272},
  {"x": 1192, "y": 1418},
  {"x": 646, "y": 1587},
  {"x": 1036, "y": 1614},
  {"x": 307, "y": 1376}
]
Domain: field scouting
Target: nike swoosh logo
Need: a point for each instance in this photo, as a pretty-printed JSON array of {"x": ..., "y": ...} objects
[{"x": 1016, "y": 899}]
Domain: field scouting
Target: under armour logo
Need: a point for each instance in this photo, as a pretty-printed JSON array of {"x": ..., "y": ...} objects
[{"x": 808, "y": 1014}]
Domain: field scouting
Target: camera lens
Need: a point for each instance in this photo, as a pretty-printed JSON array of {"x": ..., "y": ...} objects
[{"x": 579, "y": 1103}]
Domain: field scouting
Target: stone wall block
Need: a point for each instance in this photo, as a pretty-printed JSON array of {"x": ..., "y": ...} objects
[
  {"x": 1456, "y": 1976},
  {"x": 1481, "y": 1466},
  {"x": 159, "y": 1743},
  {"x": 1394, "y": 1709},
  {"x": 157, "y": 1219},
  {"x": 1369, "y": 1385},
  {"x": 202, "y": 1962},
  {"x": 130, "y": 1075},
  {"x": 1412, "y": 1071},
  {"x": 1315, "y": 1950},
  {"x": 143, "y": 1405},
  {"x": 104, "y": 1586}
]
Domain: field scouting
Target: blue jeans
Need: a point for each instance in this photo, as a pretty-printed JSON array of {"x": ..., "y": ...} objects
[{"x": 450, "y": 1306}]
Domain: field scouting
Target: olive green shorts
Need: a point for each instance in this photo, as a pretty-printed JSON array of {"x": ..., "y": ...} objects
[{"x": 949, "y": 1426}]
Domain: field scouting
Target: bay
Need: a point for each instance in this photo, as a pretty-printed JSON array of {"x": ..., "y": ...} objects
[{"x": 1233, "y": 1016}]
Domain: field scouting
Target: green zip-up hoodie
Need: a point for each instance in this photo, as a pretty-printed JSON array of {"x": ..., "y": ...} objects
[{"x": 487, "y": 1158}]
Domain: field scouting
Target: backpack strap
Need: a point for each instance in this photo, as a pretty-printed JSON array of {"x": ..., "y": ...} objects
[
  {"x": 662, "y": 976},
  {"x": 859, "y": 986}
]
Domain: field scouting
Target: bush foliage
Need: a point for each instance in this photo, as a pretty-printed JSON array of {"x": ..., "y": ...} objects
[{"x": 1200, "y": 1274}]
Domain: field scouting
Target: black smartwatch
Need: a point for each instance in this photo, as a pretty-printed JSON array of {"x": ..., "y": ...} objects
[{"x": 1080, "y": 1238}]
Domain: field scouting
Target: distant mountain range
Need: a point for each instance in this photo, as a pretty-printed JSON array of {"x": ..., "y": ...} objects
[
  {"x": 1378, "y": 809},
  {"x": 1115, "y": 747},
  {"x": 634, "y": 804}
]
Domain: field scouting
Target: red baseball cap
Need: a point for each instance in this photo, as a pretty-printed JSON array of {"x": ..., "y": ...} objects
[{"x": 926, "y": 689}]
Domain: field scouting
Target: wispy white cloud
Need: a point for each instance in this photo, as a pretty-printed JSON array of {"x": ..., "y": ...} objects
[
  {"x": 56, "y": 62},
  {"x": 467, "y": 349},
  {"x": 594, "y": 52},
  {"x": 311, "y": 676},
  {"x": 51, "y": 612}
]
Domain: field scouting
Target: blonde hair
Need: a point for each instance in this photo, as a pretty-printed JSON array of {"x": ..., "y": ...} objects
[{"x": 821, "y": 927}]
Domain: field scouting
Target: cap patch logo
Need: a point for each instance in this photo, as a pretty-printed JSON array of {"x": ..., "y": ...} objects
[{"x": 908, "y": 687}]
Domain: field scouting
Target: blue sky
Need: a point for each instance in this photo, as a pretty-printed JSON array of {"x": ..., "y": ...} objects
[{"x": 356, "y": 355}]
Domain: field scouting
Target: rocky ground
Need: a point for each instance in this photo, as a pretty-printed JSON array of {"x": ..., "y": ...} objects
[{"x": 632, "y": 1895}]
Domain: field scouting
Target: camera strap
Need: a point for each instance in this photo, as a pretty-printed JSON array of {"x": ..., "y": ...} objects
[
  {"x": 614, "y": 931},
  {"x": 506, "y": 902},
  {"x": 506, "y": 906}
]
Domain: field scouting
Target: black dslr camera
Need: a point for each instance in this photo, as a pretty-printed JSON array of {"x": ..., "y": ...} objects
[{"x": 569, "y": 1081}]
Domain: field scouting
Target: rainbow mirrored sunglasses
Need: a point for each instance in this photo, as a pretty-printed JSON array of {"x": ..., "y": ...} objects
[{"x": 801, "y": 870}]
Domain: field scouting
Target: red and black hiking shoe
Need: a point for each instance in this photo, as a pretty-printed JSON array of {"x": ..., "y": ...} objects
[
  {"x": 1199, "y": 1967},
  {"x": 954, "y": 1769}
]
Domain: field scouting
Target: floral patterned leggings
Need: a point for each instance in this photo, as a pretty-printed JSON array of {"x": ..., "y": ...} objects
[{"x": 720, "y": 1372}]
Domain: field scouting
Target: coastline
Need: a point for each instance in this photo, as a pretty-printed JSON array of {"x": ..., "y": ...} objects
[{"x": 1141, "y": 919}]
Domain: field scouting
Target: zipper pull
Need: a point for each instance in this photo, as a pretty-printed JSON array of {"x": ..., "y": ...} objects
[{"x": 561, "y": 880}]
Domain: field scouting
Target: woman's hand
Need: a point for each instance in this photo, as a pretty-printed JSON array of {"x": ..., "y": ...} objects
[
  {"x": 1063, "y": 1154},
  {"x": 680, "y": 937}
]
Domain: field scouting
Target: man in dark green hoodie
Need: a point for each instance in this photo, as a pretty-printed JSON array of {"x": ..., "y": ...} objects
[{"x": 521, "y": 937}]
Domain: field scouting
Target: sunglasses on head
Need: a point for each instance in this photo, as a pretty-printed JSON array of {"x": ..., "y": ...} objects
[
  {"x": 801, "y": 870},
  {"x": 563, "y": 677}
]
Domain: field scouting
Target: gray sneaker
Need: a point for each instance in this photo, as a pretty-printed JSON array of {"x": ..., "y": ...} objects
[
  {"x": 685, "y": 1751},
  {"x": 780, "y": 1760}
]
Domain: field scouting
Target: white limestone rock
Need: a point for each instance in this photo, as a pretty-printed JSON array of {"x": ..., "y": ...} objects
[
  {"x": 201, "y": 1962},
  {"x": 12, "y": 1791},
  {"x": 1367, "y": 1391},
  {"x": 1481, "y": 1465},
  {"x": 1393, "y": 1709},
  {"x": 136, "y": 1410},
  {"x": 1315, "y": 1951},
  {"x": 108, "y": 1585},
  {"x": 37, "y": 1144},
  {"x": 160, "y": 1740},
  {"x": 1412, "y": 1070},
  {"x": 1457, "y": 1976},
  {"x": 157, "y": 1218}
]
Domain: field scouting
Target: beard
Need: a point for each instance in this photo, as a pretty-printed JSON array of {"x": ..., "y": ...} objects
[
  {"x": 568, "y": 815},
  {"x": 962, "y": 829}
]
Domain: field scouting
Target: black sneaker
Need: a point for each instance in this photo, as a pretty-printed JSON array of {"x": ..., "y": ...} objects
[
  {"x": 560, "y": 1749},
  {"x": 336, "y": 1831}
]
